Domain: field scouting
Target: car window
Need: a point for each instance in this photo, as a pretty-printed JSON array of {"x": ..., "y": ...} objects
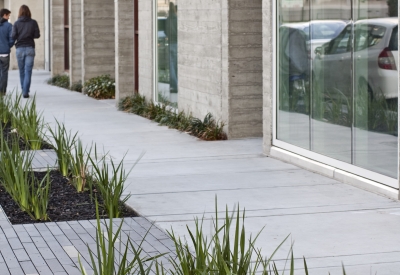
[
  {"x": 340, "y": 44},
  {"x": 393, "y": 45},
  {"x": 325, "y": 30},
  {"x": 367, "y": 35}
]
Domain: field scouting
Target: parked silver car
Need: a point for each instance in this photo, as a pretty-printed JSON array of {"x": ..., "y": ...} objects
[
  {"x": 318, "y": 32},
  {"x": 371, "y": 61}
]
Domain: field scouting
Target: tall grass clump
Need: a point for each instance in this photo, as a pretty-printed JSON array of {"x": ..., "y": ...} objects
[
  {"x": 164, "y": 114},
  {"x": 79, "y": 166},
  {"x": 227, "y": 251},
  {"x": 110, "y": 181},
  {"x": 7, "y": 106},
  {"x": 112, "y": 257},
  {"x": 30, "y": 124},
  {"x": 18, "y": 180},
  {"x": 62, "y": 141}
]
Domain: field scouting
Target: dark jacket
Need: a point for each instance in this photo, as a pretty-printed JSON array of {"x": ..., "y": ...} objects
[
  {"x": 25, "y": 30},
  {"x": 6, "y": 41}
]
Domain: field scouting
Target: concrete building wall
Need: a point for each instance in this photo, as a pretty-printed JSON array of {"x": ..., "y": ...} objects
[
  {"x": 75, "y": 41},
  {"x": 98, "y": 38},
  {"x": 268, "y": 66},
  {"x": 200, "y": 57},
  {"x": 57, "y": 37},
  {"x": 124, "y": 48},
  {"x": 146, "y": 48},
  {"x": 220, "y": 63},
  {"x": 244, "y": 79},
  {"x": 37, "y": 10}
]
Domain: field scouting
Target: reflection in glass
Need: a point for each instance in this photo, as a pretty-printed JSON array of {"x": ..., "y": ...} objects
[
  {"x": 167, "y": 51},
  {"x": 338, "y": 80},
  {"x": 376, "y": 90},
  {"x": 293, "y": 125}
]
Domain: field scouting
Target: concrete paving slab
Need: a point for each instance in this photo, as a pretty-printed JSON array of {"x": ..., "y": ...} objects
[{"x": 179, "y": 176}]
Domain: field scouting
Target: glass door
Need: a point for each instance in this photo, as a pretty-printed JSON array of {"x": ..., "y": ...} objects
[
  {"x": 167, "y": 52},
  {"x": 337, "y": 80}
]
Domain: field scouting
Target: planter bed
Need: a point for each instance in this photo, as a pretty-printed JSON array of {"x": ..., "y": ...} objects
[
  {"x": 65, "y": 203},
  {"x": 8, "y": 135}
]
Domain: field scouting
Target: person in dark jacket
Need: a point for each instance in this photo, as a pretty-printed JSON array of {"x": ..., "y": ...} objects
[
  {"x": 6, "y": 43},
  {"x": 25, "y": 30}
]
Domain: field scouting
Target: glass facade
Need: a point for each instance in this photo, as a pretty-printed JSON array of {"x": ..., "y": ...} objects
[
  {"x": 167, "y": 51},
  {"x": 337, "y": 80}
]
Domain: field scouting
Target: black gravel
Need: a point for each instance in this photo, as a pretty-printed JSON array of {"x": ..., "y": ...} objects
[{"x": 65, "y": 203}]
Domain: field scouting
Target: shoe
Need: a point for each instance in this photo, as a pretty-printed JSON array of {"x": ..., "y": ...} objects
[{"x": 26, "y": 96}]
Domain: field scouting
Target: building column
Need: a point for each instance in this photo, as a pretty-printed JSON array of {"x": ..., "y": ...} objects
[
  {"x": 146, "y": 48},
  {"x": 124, "y": 48},
  {"x": 97, "y": 38},
  {"x": 220, "y": 63},
  {"x": 75, "y": 42},
  {"x": 242, "y": 41},
  {"x": 57, "y": 37},
  {"x": 268, "y": 52}
]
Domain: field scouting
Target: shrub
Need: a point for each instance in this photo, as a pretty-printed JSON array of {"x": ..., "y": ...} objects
[
  {"x": 60, "y": 80},
  {"x": 164, "y": 114},
  {"x": 101, "y": 87},
  {"x": 77, "y": 87}
]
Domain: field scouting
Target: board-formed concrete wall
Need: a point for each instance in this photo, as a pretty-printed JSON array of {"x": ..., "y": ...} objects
[
  {"x": 98, "y": 38},
  {"x": 200, "y": 57},
  {"x": 244, "y": 74},
  {"x": 146, "y": 48},
  {"x": 37, "y": 10},
  {"x": 124, "y": 48},
  {"x": 220, "y": 63},
  {"x": 75, "y": 41},
  {"x": 57, "y": 37}
]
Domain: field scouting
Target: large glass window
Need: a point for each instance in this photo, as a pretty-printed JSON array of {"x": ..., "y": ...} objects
[
  {"x": 167, "y": 52},
  {"x": 337, "y": 80}
]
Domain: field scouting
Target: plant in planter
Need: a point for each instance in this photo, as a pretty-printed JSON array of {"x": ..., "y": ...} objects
[
  {"x": 107, "y": 260},
  {"x": 62, "y": 142},
  {"x": 110, "y": 183},
  {"x": 163, "y": 113},
  {"x": 60, "y": 80},
  {"x": 29, "y": 125},
  {"x": 18, "y": 180},
  {"x": 79, "y": 166},
  {"x": 101, "y": 87}
]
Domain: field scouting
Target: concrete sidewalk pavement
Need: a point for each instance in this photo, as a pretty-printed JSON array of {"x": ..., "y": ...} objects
[{"x": 179, "y": 176}]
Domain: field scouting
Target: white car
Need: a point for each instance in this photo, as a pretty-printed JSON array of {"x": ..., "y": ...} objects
[
  {"x": 318, "y": 32},
  {"x": 373, "y": 58}
]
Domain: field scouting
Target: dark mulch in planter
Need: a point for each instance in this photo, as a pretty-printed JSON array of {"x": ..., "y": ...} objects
[
  {"x": 8, "y": 135},
  {"x": 65, "y": 203}
]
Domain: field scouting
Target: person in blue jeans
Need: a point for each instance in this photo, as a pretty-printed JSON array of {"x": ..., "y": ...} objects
[
  {"x": 25, "y": 30},
  {"x": 6, "y": 42}
]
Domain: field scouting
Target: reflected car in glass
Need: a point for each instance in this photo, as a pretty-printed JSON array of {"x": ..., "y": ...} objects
[
  {"x": 373, "y": 56},
  {"x": 318, "y": 32}
]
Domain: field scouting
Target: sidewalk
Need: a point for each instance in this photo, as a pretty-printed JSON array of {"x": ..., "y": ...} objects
[{"x": 179, "y": 177}]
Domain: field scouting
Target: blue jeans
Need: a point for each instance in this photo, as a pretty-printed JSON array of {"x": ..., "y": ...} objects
[
  {"x": 25, "y": 57},
  {"x": 4, "y": 65}
]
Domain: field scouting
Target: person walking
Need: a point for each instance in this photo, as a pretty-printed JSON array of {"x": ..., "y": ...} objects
[
  {"x": 25, "y": 30},
  {"x": 6, "y": 43}
]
